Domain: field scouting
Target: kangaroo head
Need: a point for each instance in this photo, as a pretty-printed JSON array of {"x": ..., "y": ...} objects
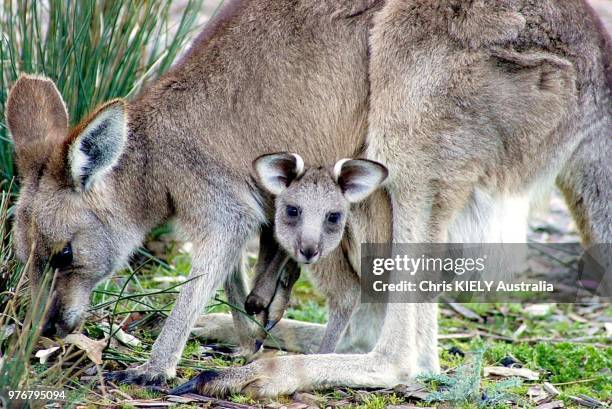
[
  {"x": 312, "y": 205},
  {"x": 67, "y": 214}
]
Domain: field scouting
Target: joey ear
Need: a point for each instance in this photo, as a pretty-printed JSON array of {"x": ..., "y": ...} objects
[
  {"x": 276, "y": 171},
  {"x": 358, "y": 178},
  {"x": 36, "y": 117},
  {"x": 97, "y": 144}
]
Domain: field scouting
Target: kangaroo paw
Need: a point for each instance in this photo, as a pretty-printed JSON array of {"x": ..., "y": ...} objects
[
  {"x": 257, "y": 379},
  {"x": 201, "y": 385},
  {"x": 142, "y": 375}
]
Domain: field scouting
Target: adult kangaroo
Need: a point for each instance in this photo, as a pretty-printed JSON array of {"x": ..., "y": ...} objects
[{"x": 472, "y": 106}]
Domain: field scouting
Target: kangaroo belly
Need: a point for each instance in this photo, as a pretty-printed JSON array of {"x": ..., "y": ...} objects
[{"x": 489, "y": 218}]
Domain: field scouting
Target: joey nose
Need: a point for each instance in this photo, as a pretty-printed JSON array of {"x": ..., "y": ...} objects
[{"x": 309, "y": 253}]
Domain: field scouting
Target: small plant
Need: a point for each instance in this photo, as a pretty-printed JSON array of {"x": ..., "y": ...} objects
[
  {"x": 464, "y": 386},
  {"x": 20, "y": 317}
]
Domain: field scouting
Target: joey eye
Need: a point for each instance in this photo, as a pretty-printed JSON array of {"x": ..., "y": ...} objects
[
  {"x": 334, "y": 218},
  {"x": 63, "y": 258},
  {"x": 292, "y": 211}
]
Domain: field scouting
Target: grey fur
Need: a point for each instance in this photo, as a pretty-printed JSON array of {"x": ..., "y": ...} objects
[{"x": 463, "y": 101}]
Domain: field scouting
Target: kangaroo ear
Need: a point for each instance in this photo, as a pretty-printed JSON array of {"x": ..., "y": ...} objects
[
  {"x": 276, "y": 171},
  {"x": 358, "y": 178},
  {"x": 37, "y": 117},
  {"x": 97, "y": 144}
]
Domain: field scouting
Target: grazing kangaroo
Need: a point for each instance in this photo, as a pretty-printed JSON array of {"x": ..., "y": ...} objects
[
  {"x": 472, "y": 106},
  {"x": 312, "y": 207}
]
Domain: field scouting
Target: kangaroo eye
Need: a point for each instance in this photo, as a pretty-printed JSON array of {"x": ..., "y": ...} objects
[
  {"x": 292, "y": 211},
  {"x": 334, "y": 217},
  {"x": 63, "y": 258}
]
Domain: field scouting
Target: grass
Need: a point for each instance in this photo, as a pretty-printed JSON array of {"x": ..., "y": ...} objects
[
  {"x": 574, "y": 367},
  {"x": 94, "y": 51}
]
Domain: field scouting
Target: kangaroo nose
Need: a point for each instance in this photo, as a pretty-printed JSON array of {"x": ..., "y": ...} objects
[
  {"x": 309, "y": 252},
  {"x": 49, "y": 329}
]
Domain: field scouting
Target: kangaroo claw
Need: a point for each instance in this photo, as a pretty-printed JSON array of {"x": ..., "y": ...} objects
[
  {"x": 270, "y": 324},
  {"x": 136, "y": 376},
  {"x": 196, "y": 384}
]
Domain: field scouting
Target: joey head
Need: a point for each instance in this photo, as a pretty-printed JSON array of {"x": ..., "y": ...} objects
[{"x": 312, "y": 206}]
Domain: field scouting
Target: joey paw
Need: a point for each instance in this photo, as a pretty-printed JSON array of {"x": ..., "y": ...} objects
[{"x": 254, "y": 304}]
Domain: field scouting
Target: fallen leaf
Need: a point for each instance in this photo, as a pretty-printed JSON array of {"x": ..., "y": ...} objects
[
  {"x": 6, "y": 331},
  {"x": 297, "y": 405},
  {"x": 44, "y": 354},
  {"x": 577, "y": 318},
  {"x": 509, "y": 372},
  {"x": 592, "y": 330},
  {"x": 466, "y": 312},
  {"x": 587, "y": 401},
  {"x": 339, "y": 403},
  {"x": 309, "y": 398},
  {"x": 535, "y": 391},
  {"x": 551, "y": 405},
  {"x": 548, "y": 387},
  {"x": 519, "y": 330},
  {"x": 408, "y": 406},
  {"x": 151, "y": 403},
  {"x": 538, "y": 310},
  {"x": 538, "y": 395},
  {"x": 215, "y": 402},
  {"x": 92, "y": 348},
  {"x": 458, "y": 335},
  {"x": 180, "y": 399},
  {"x": 412, "y": 390},
  {"x": 120, "y": 335}
]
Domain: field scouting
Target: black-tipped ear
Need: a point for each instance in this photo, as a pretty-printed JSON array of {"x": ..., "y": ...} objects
[
  {"x": 358, "y": 178},
  {"x": 276, "y": 171},
  {"x": 98, "y": 144}
]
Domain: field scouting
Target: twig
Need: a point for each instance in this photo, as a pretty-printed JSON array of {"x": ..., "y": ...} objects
[
  {"x": 580, "y": 340},
  {"x": 574, "y": 382},
  {"x": 215, "y": 401},
  {"x": 460, "y": 335}
]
